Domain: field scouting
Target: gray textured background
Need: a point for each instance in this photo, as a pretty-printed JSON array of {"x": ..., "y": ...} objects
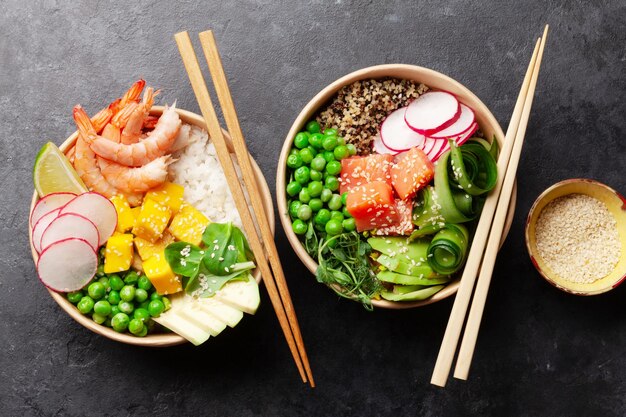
[{"x": 540, "y": 351}]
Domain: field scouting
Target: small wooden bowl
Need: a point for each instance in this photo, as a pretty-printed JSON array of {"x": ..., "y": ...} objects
[
  {"x": 616, "y": 205},
  {"x": 432, "y": 79},
  {"x": 163, "y": 339}
]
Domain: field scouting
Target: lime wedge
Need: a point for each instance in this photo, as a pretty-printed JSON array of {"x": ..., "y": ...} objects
[{"x": 54, "y": 173}]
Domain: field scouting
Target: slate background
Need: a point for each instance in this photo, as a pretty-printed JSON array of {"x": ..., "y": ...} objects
[{"x": 540, "y": 351}]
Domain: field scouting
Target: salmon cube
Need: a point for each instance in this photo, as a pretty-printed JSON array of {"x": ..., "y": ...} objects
[
  {"x": 360, "y": 170},
  {"x": 411, "y": 171},
  {"x": 372, "y": 206},
  {"x": 405, "y": 225}
]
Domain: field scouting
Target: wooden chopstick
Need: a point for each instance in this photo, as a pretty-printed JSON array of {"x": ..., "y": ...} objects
[
  {"x": 468, "y": 343},
  {"x": 215, "y": 131},
  {"x": 214, "y": 61},
  {"x": 468, "y": 278}
]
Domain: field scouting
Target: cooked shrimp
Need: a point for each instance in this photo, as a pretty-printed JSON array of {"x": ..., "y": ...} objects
[
  {"x": 157, "y": 143},
  {"x": 113, "y": 130},
  {"x": 139, "y": 179},
  {"x": 132, "y": 95},
  {"x": 132, "y": 132},
  {"x": 85, "y": 161}
]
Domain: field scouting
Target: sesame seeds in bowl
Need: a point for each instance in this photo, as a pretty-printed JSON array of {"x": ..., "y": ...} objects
[{"x": 576, "y": 236}]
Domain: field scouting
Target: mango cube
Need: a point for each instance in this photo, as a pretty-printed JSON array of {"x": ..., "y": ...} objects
[
  {"x": 161, "y": 275},
  {"x": 135, "y": 211},
  {"x": 118, "y": 254},
  {"x": 147, "y": 249},
  {"x": 152, "y": 220},
  {"x": 188, "y": 225},
  {"x": 125, "y": 218},
  {"x": 168, "y": 194}
]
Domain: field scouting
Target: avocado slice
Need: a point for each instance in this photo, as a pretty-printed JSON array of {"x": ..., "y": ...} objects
[
  {"x": 417, "y": 269},
  {"x": 412, "y": 296},
  {"x": 401, "y": 248},
  {"x": 396, "y": 278}
]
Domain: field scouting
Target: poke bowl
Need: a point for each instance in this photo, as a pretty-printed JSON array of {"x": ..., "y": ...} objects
[
  {"x": 163, "y": 330},
  {"x": 389, "y": 125}
]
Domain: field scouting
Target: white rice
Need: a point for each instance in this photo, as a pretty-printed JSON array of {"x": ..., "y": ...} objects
[{"x": 198, "y": 170}]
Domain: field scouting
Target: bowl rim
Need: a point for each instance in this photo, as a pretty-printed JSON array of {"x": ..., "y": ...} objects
[
  {"x": 322, "y": 97},
  {"x": 532, "y": 250},
  {"x": 155, "y": 340}
]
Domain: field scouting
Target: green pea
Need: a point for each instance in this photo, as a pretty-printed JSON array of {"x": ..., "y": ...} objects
[
  {"x": 330, "y": 143},
  {"x": 141, "y": 314},
  {"x": 333, "y": 167},
  {"x": 119, "y": 322},
  {"x": 143, "y": 304},
  {"x": 116, "y": 282},
  {"x": 299, "y": 227},
  {"x": 306, "y": 155},
  {"x": 135, "y": 326},
  {"x": 313, "y": 127},
  {"x": 316, "y": 204},
  {"x": 100, "y": 269},
  {"x": 316, "y": 140},
  {"x": 301, "y": 140},
  {"x": 328, "y": 156},
  {"x": 305, "y": 212},
  {"x": 144, "y": 283},
  {"x": 131, "y": 278},
  {"x": 85, "y": 305},
  {"x": 102, "y": 307},
  {"x": 326, "y": 194},
  {"x": 293, "y": 151},
  {"x": 155, "y": 295},
  {"x": 141, "y": 295},
  {"x": 304, "y": 195},
  {"x": 341, "y": 141},
  {"x": 293, "y": 188},
  {"x": 318, "y": 163},
  {"x": 332, "y": 183},
  {"x": 315, "y": 188},
  {"x": 114, "y": 297},
  {"x": 341, "y": 152},
  {"x": 294, "y": 161},
  {"x": 96, "y": 290},
  {"x": 345, "y": 212},
  {"x": 293, "y": 208},
  {"x": 126, "y": 307},
  {"x": 167, "y": 303},
  {"x": 316, "y": 175},
  {"x": 333, "y": 227},
  {"x": 329, "y": 131},
  {"x": 344, "y": 198},
  {"x": 348, "y": 224},
  {"x": 98, "y": 318},
  {"x": 156, "y": 307},
  {"x": 143, "y": 332},
  {"x": 336, "y": 215},
  {"x": 351, "y": 149},
  {"x": 127, "y": 293},
  {"x": 322, "y": 217},
  {"x": 74, "y": 297},
  {"x": 302, "y": 175},
  {"x": 335, "y": 202},
  {"x": 105, "y": 281},
  {"x": 114, "y": 311}
]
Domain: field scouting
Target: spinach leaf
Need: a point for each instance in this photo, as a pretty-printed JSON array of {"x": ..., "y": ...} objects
[
  {"x": 184, "y": 258},
  {"x": 205, "y": 284},
  {"x": 221, "y": 252}
]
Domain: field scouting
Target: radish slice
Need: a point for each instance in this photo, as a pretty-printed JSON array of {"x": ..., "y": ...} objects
[
  {"x": 463, "y": 123},
  {"x": 460, "y": 140},
  {"x": 379, "y": 147},
  {"x": 97, "y": 208},
  {"x": 67, "y": 265},
  {"x": 48, "y": 203},
  {"x": 67, "y": 226},
  {"x": 41, "y": 226},
  {"x": 396, "y": 135},
  {"x": 432, "y": 146},
  {"x": 432, "y": 112}
]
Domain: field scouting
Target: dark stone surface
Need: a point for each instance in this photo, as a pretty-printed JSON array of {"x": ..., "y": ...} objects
[{"x": 540, "y": 351}]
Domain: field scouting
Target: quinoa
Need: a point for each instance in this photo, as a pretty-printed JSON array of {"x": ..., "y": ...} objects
[
  {"x": 577, "y": 238},
  {"x": 358, "y": 109}
]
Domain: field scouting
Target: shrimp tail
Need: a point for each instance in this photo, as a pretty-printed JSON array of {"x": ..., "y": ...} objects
[
  {"x": 101, "y": 119},
  {"x": 133, "y": 93},
  {"x": 84, "y": 124}
]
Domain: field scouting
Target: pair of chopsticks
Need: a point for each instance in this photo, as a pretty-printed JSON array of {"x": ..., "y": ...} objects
[
  {"x": 488, "y": 233},
  {"x": 275, "y": 279}
]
